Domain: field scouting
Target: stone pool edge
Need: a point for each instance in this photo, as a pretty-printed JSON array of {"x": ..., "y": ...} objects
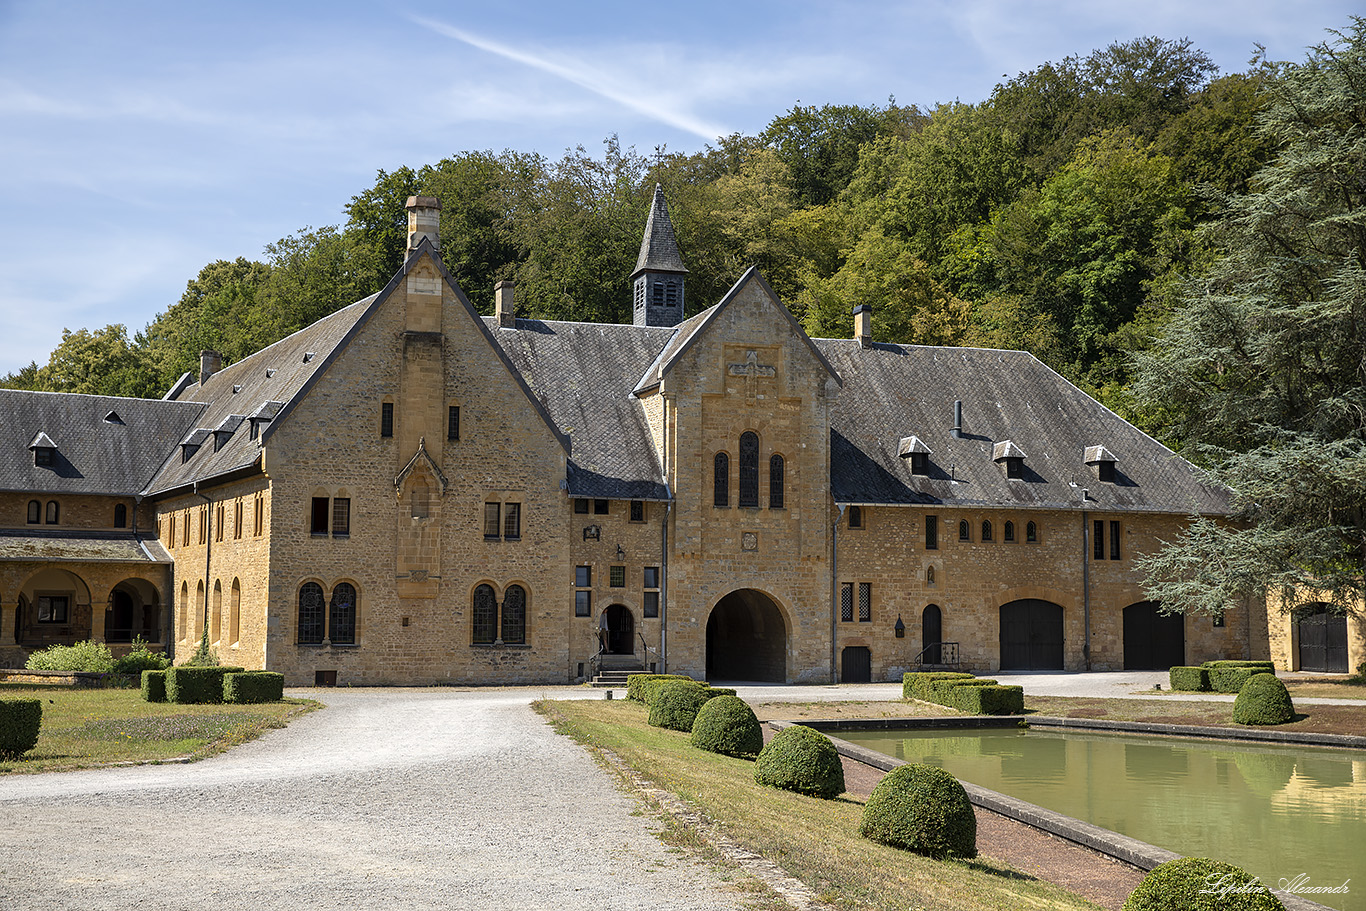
[{"x": 1131, "y": 851}]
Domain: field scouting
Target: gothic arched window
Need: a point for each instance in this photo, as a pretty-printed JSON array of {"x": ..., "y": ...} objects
[
  {"x": 749, "y": 469},
  {"x": 311, "y": 615},
  {"x": 514, "y": 615},
  {"x": 485, "y": 615},
  {"x": 986, "y": 530},
  {"x": 775, "y": 482},
  {"x": 721, "y": 480},
  {"x": 342, "y": 616}
]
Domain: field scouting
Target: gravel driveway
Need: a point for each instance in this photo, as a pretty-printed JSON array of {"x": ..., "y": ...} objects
[{"x": 395, "y": 798}]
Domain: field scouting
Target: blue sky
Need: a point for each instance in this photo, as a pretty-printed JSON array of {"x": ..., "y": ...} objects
[{"x": 141, "y": 141}]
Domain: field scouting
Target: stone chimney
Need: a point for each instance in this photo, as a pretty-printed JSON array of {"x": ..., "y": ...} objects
[
  {"x": 504, "y": 304},
  {"x": 210, "y": 362},
  {"x": 424, "y": 221},
  {"x": 863, "y": 325}
]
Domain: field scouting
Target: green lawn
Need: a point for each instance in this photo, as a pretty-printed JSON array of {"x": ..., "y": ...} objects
[
  {"x": 83, "y": 728},
  {"x": 815, "y": 840}
]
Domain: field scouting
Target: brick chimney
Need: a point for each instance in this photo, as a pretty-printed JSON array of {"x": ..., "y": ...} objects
[
  {"x": 863, "y": 325},
  {"x": 504, "y": 304},
  {"x": 210, "y": 362},
  {"x": 424, "y": 221}
]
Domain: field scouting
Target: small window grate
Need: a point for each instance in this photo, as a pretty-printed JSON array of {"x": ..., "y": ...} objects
[
  {"x": 865, "y": 602},
  {"x": 847, "y": 602}
]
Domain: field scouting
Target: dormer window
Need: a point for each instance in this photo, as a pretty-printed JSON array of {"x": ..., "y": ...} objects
[
  {"x": 113, "y": 418},
  {"x": 914, "y": 448},
  {"x": 190, "y": 445},
  {"x": 1011, "y": 455},
  {"x": 44, "y": 451},
  {"x": 1103, "y": 461},
  {"x": 224, "y": 431}
]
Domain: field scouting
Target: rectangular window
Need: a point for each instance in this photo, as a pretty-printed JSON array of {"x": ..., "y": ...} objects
[
  {"x": 170, "y": 528},
  {"x": 931, "y": 532},
  {"x": 652, "y": 577},
  {"x": 865, "y": 602},
  {"x": 53, "y": 608},
  {"x": 583, "y": 604},
  {"x": 616, "y": 576},
  {"x": 453, "y": 422},
  {"x": 637, "y": 511},
  {"x": 651, "y": 605},
  {"x": 341, "y": 517},
  {"x": 847, "y": 602},
  {"x": 583, "y": 576},
  {"x": 493, "y": 514},
  {"x": 580, "y": 506},
  {"x": 1098, "y": 540},
  {"x": 185, "y": 533},
  {"x": 318, "y": 522},
  {"x": 386, "y": 419},
  {"x": 258, "y": 518},
  {"x": 512, "y": 521},
  {"x": 42, "y": 456},
  {"x": 203, "y": 525},
  {"x": 1114, "y": 540},
  {"x": 855, "y": 516},
  {"x": 600, "y": 507},
  {"x": 237, "y": 519},
  {"x": 218, "y": 521}
]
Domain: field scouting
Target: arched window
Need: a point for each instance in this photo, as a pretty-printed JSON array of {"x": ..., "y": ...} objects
[
  {"x": 855, "y": 516},
  {"x": 53, "y": 511},
  {"x": 775, "y": 482},
  {"x": 986, "y": 530},
  {"x": 216, "y": 623},
  {"x": 964, "y": 531},
  {"x": 35, "y": 512},
  {"x": 749, "y": 469},
  {"x": 1032, "y": 533},
  {"x": 721, "y": 480},
  {"x": 341, "y": 615},
  {"x": 183, "y": 619},
  {"x": 485, "y": 615},
  {"x": 311, "y": 615},
  {"x": 120, "y": 516},
  {"x": 200, "y": 600},
  {"x": 420, "y": 498},
  {"x": 514, "y": 615},
  {"x": 235, "y": 613},
  {"x": 1010, "y": 531}
]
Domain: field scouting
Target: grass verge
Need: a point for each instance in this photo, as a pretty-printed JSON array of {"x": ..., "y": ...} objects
[
  {"x": 85, "y": 728},
  {"x": 816, "y": 841}
]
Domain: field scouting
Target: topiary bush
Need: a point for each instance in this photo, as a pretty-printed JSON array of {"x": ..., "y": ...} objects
[
  {"x": 801, "y": 759},
  {"x": 253, "y": 686},
  {"x": 154, "y": 686},
  {"x": 1263, "y": 700},
  {"x": 1230, "y": 679},
  {"x": 20, "y": 720},
  {"x": 1201, "y": 884},
  {"x": 676, "y": 704},
  {"x": 188, "y": 685},
  {"x": 989, "y": 700},
  {"x": 641, "y": 687},
  {"x": 725, "y": 724},
  {"x": 915, "y": 685},
  {"x": 923, "y": 809},
  {"x": 1189, "y": 679},
  {"x": 91, "y": 656}
]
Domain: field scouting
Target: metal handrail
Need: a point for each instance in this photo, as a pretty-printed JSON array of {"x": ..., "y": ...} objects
[{"x": 948, "y": 654}]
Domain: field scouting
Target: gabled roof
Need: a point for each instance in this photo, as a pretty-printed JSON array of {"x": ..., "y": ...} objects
[
  {"x": 95, "y": 456},
  {"x": 689, "y": 331},
  {"x": 895, "y": 391},
  {"x": 659, "y": 247}
]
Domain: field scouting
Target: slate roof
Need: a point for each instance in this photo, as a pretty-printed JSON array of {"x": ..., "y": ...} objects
[
  {"x": 894, "y": 391},
  {"x": 85, "y": 546},
  {"x": 93, "y": 455},
  {"x": 583, "y": 374},
  {"x": 659, "y": 247}
]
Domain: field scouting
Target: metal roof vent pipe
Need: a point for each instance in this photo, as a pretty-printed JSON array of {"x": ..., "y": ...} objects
[
  {"x": 958, "y": 419},
  {"x": 863, "y": 325},
  {"x": 210, "y": 362}
]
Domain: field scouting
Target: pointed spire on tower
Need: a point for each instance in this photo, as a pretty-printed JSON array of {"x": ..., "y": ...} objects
[{"x": 657, "y": 283}]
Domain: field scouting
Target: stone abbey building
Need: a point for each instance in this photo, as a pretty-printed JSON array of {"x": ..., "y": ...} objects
[{"x": 407, "y": 492}]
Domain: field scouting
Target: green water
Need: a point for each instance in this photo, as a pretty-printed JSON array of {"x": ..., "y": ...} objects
[{"x": 1281, "y": 813}]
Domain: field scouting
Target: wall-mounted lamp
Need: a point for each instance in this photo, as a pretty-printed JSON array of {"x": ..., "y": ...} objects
[
  {"x": 900, "y": 628},
  {"x": 621, "y": 554}
]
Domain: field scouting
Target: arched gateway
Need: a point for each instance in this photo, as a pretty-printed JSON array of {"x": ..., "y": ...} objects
[{"x": 747, "y": 639}]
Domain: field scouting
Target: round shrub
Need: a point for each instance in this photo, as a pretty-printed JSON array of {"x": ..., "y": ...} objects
[
  {"x": 20, "y": 720},
  {"x": 1201, "y": 884},
  {"x": 923, "y": 809},
  {"x": 676, "y": 705},
  {"x": 803, "y": 760},
  {"x": 727, "y": 725},
  {"x": 1263, "y": 700}
]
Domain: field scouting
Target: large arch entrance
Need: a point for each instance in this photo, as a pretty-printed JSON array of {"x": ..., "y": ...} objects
[
  {"x": 1322, "y": 634},
  {"x": 133, "y": 610},
  {"x": 1153, "y": 640},
  {"x": 747, "y": 639},
  {"x": 1031, "y": 636}
]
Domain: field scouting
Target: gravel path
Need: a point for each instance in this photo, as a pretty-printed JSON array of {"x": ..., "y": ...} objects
[{"x": 409, "y": 799}]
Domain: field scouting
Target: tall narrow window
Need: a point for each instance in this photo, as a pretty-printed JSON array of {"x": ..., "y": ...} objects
[
  {"x": 493, "y": 513},
  {"x": 311, "y": 616},
  {"x": 341, "y": 620},
  {"x": 120, "y": 516},
  {"x": 855, "y": 516},
  {"x": 964, "y": 530},
  {"x": 775, "y": 482},
  {"x": 650, "y": 606},
  {"x": 185, "y": 532},
  {"x": 453, "y": 422},
  {"x": 512, "y": 521},
  {"x": 341, "y": 517},
  {"x": 1114, "y": 540},
  {"x": 484, "y": 615},
  {"x": 865, "y": 602},
  {"x": 170, "y": 528},
  {"x": 386, "y": 419},
  {"x": 847, "y": 602},
  {"x": 203, "y": 525},
  {"x": 258, "y": 514},
  {"x": 1009, "y": 532},
  {"x": 235, "y": 613},
  {"x": 931, "y": 532},
  {"x": 720, "y": 495},
  {"x": 318, "y": 522},
  {"x": 1098, "y": 542},
  {"x": 419, "y": 500},
  {"x": 514, "y": 616},
  {"x": 749, "y": 469},
  {"x": 986, "y": 530},
  {"x": 1031, "y": 533},
  {"x": 53, "y": 512},
  {"x": 583, "y": 604},
  {"x": 218, "y": 523},
  {"x": 35, "y": 513},
  {"x": 637, "y": 510}
]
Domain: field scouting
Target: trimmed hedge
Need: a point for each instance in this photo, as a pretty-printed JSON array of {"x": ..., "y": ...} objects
[
  {"x": 1264, "y": 700},
  {"x": 956, "y": 690},
  {"x": 803, "y": 760},
  {"x": 924, "y": 809},
  {"x": 253, "y": 686},
  {"x": 197, "y": 685},
  {"x": 915, "y": 684},
  {"x": 1267, "y": 666},
  {"x": 1185, "y": 884},
  {"x": 154, "y": 686},
  {"x": 1230, "y": 679},
  {"x": 1189, "y": 679},
  {"x": 944, "y": 692},
  {"x": 641, "y": 687},
  {"x": 989, "y": 700},
  {"x": 676, "y": 704},
  {"x": 727, "y": 725},
  {"x": 20, "y": 721}
]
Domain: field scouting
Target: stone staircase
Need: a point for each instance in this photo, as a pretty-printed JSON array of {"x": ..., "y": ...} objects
[{"x": 614, "y": 669}]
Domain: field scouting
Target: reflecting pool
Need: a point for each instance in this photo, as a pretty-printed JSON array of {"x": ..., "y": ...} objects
[{"x": 1282, "y": 813}]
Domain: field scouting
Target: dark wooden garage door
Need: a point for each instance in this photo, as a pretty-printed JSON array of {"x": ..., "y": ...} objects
[
  {"x": 1031, "y": 636},
  {"x": 1153, "y": 641},
  {"x": 1323, "y": 639},
  {"x": 856, "y": 664}
]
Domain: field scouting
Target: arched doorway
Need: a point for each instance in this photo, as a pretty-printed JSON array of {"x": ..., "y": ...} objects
[
  {"x": 1031, "y": 636},
  {"x": 747, "y": 639},
  {"x": 1322, "y": 634},
  {"x": 621, "y": 630},
  {"x": 932, "y": 633},
  {"x": 118, "y": 618},
  {"x": 1153, "y": 640}
]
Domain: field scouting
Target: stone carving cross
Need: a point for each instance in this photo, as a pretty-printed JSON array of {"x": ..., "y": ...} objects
[{"x": 751, "y": 369}]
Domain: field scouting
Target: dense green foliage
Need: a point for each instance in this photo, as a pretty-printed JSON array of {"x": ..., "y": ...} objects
[
  {"x": 90, "y": 656},
  {"x": 141, "y": 658},
  {"x": 990, "y": 699},
  {"x": 253, "y": 686},
  {"x": 1263, "y": 700},
  {"x": 916, "y": 684},
  {"x": 1189, "y": 679},
  {"x": 1229, "y": 676},
  {"x": 642, "y": 687},
  {"x": 727, "y": 725},
  {"x": 189, "y": 685},
  {"x": 676, "y": 704},
  {"x": 924, "y": 809},
  {"x": 803, "y": 760},
  {"x": 1186, "y": 884},
  {"x": 974, "y": 695},
  {"x": 20, "y": 721},
  {"x": 154, "y": 686}
]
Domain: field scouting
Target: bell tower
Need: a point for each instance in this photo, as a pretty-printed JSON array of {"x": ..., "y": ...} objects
[{"x": 657, "y": 283}]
